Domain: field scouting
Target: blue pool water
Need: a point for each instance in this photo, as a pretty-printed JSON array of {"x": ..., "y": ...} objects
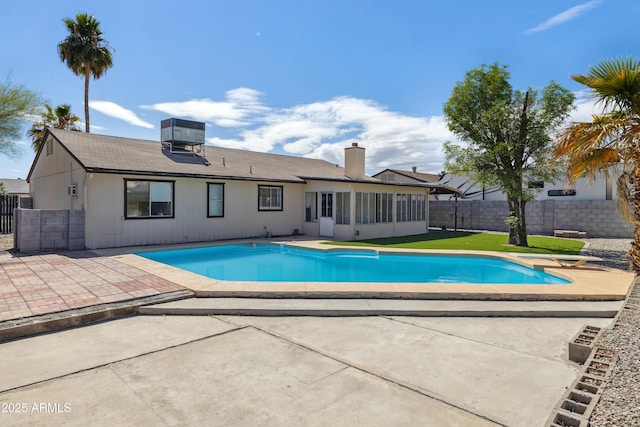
[{"x": 274, "y": 263}]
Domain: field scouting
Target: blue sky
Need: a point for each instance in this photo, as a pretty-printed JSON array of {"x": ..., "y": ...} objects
[{"x": 307, "y": 78}]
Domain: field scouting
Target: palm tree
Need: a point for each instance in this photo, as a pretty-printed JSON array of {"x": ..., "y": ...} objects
[
  {"x": 612, "y": 138},
  {"x": 60, "y": 118},
  {"x": 85, "y": 52}
]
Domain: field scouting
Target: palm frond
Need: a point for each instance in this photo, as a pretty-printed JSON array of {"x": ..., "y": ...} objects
[
  {"x": 624, "y": 194},
  {"x": 615, "y": 83}
]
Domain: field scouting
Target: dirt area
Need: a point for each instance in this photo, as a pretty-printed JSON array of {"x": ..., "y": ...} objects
[{"x": 6, "y": 241}]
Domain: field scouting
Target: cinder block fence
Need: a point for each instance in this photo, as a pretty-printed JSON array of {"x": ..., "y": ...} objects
[
  {"x": 39, "y": 229},
  {"x": 599, "y": 218}
]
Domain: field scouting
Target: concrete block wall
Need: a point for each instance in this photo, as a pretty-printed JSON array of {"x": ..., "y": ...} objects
[
  {"x": 599, "y": 218},
  {"x": 38, "y": 229},
  {"x": 76, "y": 230}
]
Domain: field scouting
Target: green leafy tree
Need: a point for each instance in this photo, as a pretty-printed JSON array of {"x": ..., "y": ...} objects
[
  {"x": 508, "y": 136},
  {"x": 85, "y": 52},
  {"x": 612, "y": 138},
  {"x": 59, "y": 118},
  {"x": 17, "y": 105}
]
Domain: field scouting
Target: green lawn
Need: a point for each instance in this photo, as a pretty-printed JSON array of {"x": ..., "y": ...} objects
[{"x": 473, "y": 242}]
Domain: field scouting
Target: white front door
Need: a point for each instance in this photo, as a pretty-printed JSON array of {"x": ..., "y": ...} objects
[{"x": 326, "y": 214}]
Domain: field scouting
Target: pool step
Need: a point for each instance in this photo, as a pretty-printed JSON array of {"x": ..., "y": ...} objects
[{"x": 382, "y": 307}]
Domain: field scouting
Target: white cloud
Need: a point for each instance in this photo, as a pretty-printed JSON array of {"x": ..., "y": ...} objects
[
  {"x": 323, "y": 129},
  {"x": 586, "y": 107},
  {"x": 565, "y": 16},
  {"x": 114, "y": 110},
  {"x": 238, "y": 109}
]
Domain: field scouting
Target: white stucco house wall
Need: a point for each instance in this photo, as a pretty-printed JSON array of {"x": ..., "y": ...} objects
[{"x": 139, "y": 192}]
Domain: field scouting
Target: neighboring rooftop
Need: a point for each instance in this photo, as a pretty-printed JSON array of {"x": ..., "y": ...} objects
[
  {"x": 414, "y": 174},
  {"x": 15, "y": 186},
  {"x": 428, "y": 179}
]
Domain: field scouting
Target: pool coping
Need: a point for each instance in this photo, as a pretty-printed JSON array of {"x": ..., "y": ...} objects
[{"x": 588, "y": 282}]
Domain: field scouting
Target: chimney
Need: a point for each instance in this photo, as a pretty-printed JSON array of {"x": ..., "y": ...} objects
[
  {"x": 415, "y": 169},
  {"x": 354, "y": 161}
]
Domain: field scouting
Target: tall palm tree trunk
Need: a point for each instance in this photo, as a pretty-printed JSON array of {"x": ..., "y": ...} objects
[
  {"x": 634, "y": 252},
  {"x": 87, "y": 75}
]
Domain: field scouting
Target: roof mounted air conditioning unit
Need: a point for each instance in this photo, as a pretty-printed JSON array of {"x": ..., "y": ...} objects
[{"x": 182, "y": 136}]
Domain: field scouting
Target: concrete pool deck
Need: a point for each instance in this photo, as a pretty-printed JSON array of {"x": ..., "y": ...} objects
[{"x": 589, "y": 282}]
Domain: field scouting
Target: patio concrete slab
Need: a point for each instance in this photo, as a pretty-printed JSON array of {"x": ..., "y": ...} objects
[
  {"x": 232, "y": 370},
  {"x": 386, "y": 307},
  {"x": 242, "y": 377},
  {"x": 42, "y": 357},
  {"x": 541, "y": 337},
  {"x": 513, "y": 388}
]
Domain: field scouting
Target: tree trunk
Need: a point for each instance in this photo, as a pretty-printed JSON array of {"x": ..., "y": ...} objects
[
  {"x": 634, "y": 252},
  {"x": 87, "y": 75},
  {"x": 517, "y": 223}
]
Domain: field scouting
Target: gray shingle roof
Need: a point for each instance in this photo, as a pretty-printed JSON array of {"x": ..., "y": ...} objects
[{"x": 101, "y": 153}]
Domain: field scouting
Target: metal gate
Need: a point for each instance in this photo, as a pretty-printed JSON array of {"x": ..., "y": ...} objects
[{"x": 7, "y": 204}]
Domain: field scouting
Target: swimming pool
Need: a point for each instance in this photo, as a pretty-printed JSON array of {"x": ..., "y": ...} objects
[{"x": 280, "y": 263}]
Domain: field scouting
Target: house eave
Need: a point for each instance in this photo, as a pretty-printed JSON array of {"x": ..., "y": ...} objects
[
  {"x": 439, "y": 189},
  {"x": 188, "y": 175}
]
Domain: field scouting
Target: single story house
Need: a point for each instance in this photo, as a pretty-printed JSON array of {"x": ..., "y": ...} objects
[{"x": 138, "y": 192}]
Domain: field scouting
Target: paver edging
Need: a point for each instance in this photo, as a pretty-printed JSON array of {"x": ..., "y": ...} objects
[
  {"x": 581, "y": 345},
  {"x": 581, "y": 398},
  {"x": 578, "y": 402},
  {"x": 33, "y": 325}
]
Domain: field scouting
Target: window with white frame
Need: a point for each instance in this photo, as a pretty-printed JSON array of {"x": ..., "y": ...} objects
[
  {"x": 365, "y": 208},
  {"x": 326, "y": 205},
  {"x": 410, "y": 207},
  {"x": 149, "y": 199},
  {"x": 269, "y": 198},
  {"x": 343, "y": 208},
  {"x": 384, "y": 207},
  {"x": 374, "y": 208},
  {"x": 215, "y": 197},
  {"x": 311, "y": 206}
]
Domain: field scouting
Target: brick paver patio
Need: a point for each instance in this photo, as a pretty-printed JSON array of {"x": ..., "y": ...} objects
[{"x": 51, "y": 282}]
